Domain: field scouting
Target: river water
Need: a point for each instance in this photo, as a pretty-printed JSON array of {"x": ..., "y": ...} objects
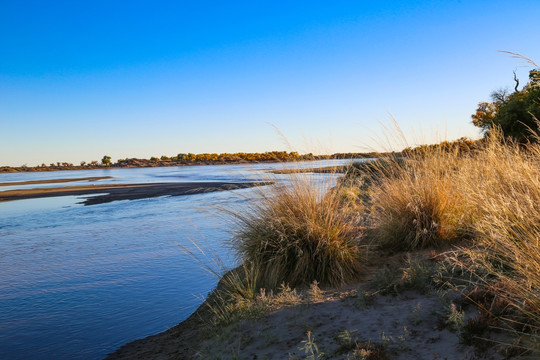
[{"x": 77, "y": 282}]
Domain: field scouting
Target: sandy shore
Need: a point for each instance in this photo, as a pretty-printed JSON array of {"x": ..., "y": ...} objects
[
  {"x": 411, "y": 324},
  {"x": 113, "y": 192},
  {"x": 54, "y": 181}
]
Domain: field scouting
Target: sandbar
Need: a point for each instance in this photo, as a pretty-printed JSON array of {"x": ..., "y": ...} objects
[
  {"x": 113, "y": 192},
  {"x": 53, "y": 181}
]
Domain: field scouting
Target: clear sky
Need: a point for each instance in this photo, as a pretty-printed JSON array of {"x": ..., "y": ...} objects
[{"x": 81, "y": 79}]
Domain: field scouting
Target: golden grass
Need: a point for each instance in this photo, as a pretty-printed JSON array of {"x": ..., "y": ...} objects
[
  {"x": 490, "y": 195},
  {"x": 299, "y": 232},
  {"x": 504, "y": 186},
  {"x": 416, "y": 204}
]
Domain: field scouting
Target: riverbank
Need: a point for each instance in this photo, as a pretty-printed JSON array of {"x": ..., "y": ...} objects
[
  {"x": 113, "y": 192},
  {"x": 194, "y": 160},
  {"x": 380, "y": 316}
]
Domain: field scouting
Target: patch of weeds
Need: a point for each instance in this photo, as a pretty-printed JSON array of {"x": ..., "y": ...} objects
[
  {"x": 385, "y": 340},
  {"x": 417, "y": 275},
  {"x": 310, "y": 349},
  {"x": 474, "y": 329},
  {"x": 415, "y": 318},
  {"x": 369, "y": 351},
  {"x": 314, "y": 292},
  {"x": 346, "y": 341},
  {"x": 455, "y": 318},
  {"x": 385, "y": 282},
  {"x": 403, "y": 339},
  {"x": 286, "y": 296}
]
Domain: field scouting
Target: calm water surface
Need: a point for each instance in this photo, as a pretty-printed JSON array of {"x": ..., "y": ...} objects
[{"x": 77, "y": 282}]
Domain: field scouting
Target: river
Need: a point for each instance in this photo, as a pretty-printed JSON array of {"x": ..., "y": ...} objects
[{"x": 77, "y": 282}]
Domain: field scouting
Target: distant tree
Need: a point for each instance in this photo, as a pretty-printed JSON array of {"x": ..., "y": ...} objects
[
  {"x": 106, "y": 160},
  {"x": 516, "y": 114},
  {"x": 165, "y": 158},
  {"x": 153, "y": 158},
  {"x": 83, "y": 163}
]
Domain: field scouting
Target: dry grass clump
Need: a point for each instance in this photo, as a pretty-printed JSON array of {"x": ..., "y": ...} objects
[
  {"x": 504, "y": 184},
  {"x": 418, "y": 203},
  {"x": 490, "y": 194},
  {"x": 300, "y": 232}
]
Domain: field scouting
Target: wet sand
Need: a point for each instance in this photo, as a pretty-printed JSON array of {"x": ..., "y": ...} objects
[
  {"x": 113, "y": 192},
  {"x": 54, "y": 181}
]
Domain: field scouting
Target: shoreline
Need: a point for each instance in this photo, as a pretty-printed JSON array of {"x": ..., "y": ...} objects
[
  {"x": 143, "y": 163},
  {"x": 113, "y": 192},
  {"x": 176, "y": 342},
  {"x": 410, "y": 323}
]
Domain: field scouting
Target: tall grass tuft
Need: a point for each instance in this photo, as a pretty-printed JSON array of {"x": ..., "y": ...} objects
[
  {"x": 299, "y": 232},
  {"x": 490, "y": 194},
  {"x": 417, "y": 204},
  {"x": 504, "y": 185}
]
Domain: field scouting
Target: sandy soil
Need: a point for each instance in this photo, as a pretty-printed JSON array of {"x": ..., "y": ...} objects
[
  {"x": 53, "y": 181},
  {"x": 113, "y": 192},
  {"x": 413, "y": 324},
  {"x": 404, "y": 327}
]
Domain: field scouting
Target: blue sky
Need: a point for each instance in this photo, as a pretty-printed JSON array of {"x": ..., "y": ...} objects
[{"x": 81, "y": 79}]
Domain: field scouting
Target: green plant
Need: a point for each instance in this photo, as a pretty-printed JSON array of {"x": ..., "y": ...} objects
[
  {"x": 310, "y": 348},
  {"x": 417, "y": 275},
  {"x": 385, "y": 281},
  {"x": 415, "y": 318},
  {"x": 515, "y": 114},
  {"x": 414, "y": 275},
  {"x": 455, "y": 318},
  {"x": 346, "y": 341}
]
